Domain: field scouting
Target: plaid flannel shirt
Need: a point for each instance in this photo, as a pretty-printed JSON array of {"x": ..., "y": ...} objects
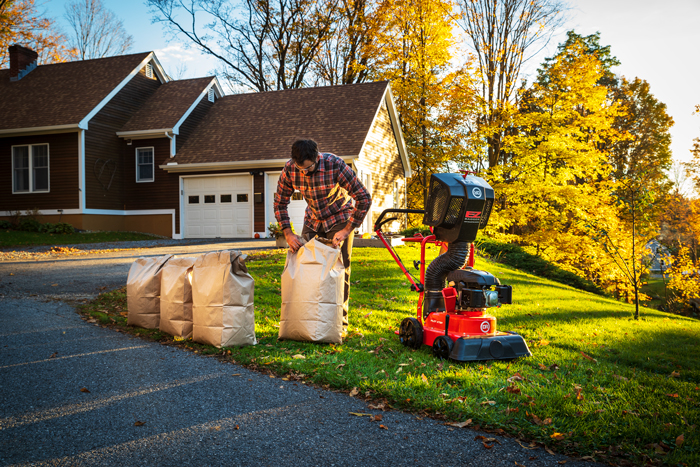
[{"x": 328, "y": 192}]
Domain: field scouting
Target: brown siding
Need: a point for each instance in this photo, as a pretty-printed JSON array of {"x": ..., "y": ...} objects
[
  {"x": 381, "y": 156},
  {"x": 259, "y": 208},
  {"x": 104, "y": 165},
  {"x": 188, "y": 127},
  {"x": 63, "y": 174}
]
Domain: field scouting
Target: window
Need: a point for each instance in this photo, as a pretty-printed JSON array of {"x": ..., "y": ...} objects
[
  {"x": 212, "y": 95},
  {"x": 208, "y": 199},
  {"x": 144, "y": 165},
  {"x": 225, "y": 198},
  {"x": 193, "y": 199},
  {"x": 30, "y": 168},
  {"x": 242, "y": 198},
  {"x": 396, "y": 195}
]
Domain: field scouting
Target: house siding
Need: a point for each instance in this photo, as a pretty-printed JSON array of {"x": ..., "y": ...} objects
[
  {"x": 63, "y": 174},
  {"x": 104, "y": 151},
  {"x": 188, "y": 126},
  {"x": 381, "y": 156}
]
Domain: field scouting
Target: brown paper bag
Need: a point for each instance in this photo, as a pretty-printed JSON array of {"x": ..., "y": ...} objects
[
  {"x": 312, "y": 294},
  {"x": 176, "y": 297},
  {"x": 222, "y": 300},
  {"x": 143, "y": 291}
]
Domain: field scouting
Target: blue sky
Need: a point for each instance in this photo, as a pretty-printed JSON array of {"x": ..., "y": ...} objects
[{"x": 654, "y": 40}]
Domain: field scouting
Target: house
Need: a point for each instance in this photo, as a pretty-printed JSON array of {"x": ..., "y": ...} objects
[{"x": 115, "y": 144}]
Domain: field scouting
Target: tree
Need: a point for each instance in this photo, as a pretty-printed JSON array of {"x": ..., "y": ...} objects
[
  {"x": 413, "y": 44},
  {"x": 502, "y": 33},
  {"x": 263, "y": 45},
  {"x": 20, "y": 22},
  {"x": 345, "y": 56},
  {"x": 693, "y": 166},
  {"x": 97, "y": 32}
]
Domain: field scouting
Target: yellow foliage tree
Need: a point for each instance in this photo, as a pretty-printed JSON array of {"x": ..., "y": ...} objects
[
  {"x": 684, "y": 280},
  {"x": 414, "y": 45},
  {"x": 20, "y": 22}
]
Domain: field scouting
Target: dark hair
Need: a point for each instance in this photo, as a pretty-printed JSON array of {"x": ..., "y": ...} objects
[{"x": 304, "y": 150}]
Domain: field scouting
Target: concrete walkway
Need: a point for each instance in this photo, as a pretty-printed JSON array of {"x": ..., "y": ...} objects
[{"x": 73, "y": 393}]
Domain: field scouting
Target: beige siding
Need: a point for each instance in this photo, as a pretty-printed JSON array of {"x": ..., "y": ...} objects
[{"x": 381, "y": 156}]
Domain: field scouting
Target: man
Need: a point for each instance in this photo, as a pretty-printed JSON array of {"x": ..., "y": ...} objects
[{"x": 328, "y": 185}]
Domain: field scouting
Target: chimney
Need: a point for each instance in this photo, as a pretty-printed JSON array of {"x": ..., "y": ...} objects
[{"x": 22, "y": 61}]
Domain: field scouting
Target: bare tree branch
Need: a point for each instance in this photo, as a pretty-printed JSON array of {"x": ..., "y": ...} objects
[{"x": 97, "y": 32}]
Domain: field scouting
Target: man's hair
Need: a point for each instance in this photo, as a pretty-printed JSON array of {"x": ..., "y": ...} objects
[{"x": 304, "y": 150}]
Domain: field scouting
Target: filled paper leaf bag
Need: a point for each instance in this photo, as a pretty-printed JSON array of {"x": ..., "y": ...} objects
[
  {"x": 143, "y": 291},
  {"x": 222, "y": 300},
  {"x": 176, "y": 297},
  {"x": 312, "y": 294}
]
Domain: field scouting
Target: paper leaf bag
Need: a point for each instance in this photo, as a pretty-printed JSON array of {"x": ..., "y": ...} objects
[
  {"x": 312, "y": 294},
  {"x": 143, "y": 291},
  {"x": 176, "y": 297},
  {"x": 222, "y": 300}
]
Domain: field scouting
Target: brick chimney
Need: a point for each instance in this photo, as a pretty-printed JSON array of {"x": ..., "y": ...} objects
[{"x": 22, "y": 61}]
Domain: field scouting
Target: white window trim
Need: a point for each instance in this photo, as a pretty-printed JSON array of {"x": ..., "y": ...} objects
[
  {"x": 136, "y": 159},
  {"x": 31, "y": 167}
]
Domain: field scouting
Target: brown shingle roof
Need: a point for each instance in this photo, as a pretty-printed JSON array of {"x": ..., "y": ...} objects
[
  {"x": 259, "y": 126},
  {"x": 167, "y": 105},
  {"x": 61, "y": 93}
]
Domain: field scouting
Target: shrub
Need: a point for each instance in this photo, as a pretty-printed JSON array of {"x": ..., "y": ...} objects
[
  {"x": 59, "y": 228},
  {"x": 515, "y": 256},
  {"x": 5, "y": 225},
  {"x": 29, "y": 224},
  {"x": 410, "y": 232}
]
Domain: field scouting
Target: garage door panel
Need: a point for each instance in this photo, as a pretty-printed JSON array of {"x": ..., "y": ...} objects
[
  {"x": 295, "y": 209},
  {"x": 218, "y": 214}
]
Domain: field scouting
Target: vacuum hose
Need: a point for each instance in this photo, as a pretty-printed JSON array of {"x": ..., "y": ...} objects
[{"x": 454, "y": 258}]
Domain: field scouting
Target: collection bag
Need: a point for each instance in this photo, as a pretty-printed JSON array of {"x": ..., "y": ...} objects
[
  {"x": 222, "y": 300},
  {"x": 143, "y": 291},
  {"x": 312, "y": 294},
  {"x": 176, "y": 297}
]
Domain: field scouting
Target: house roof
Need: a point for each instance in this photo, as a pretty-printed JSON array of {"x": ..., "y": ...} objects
[
  {"x": 263, "y": 126},
  {"x": 167, "y": 105},
  {"x": 61, "y": 93}
]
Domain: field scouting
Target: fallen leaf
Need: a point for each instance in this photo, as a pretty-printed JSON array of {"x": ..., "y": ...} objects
[
  {"x": 544, "y": 342},
  {"x": 554, "y": 367},
  {"x": 354, "y": 392},
  {"x": 515, "y": 377},
  {"x": 236, "y": 427},
  {"x": 487, "y": 446},
  {"x": 489, "y": 403},
  {"x": 367, "y": 315},
  {"x": 549, "y": 451},
  {"x": 547, "y": 421},
  {"x": 557, "y": 436},
  {"x": 513, "y": 389},
  {"x": 340, "y": 366},
  {"x": 542, "y": 367},
  {"x": 561, "y": 462},
  {"x": 54, "y": 285},
  {"x": 680, "y": 440},
  {"x": 358, "y": 414},
  {"x": 621, "y": 378},
  {"x": 236, "y": 374},
  {"x": 138, "y": 423},
  {"x": 383, "y": 427},
  {"x": 53, "y": 355},
  {"x": 423, "y": 377},
  {"x": 525, "y": 447},
  {"x": 84, "y": 390},
  {"x": 588, "y": 357},
  {"x": 460, "y": 424},
  {"x": 299, "y": 356},
  {"x": 672, "y": 395},
  {"x": 378, "y": 418},
  {"x": 675, "y": 374}
]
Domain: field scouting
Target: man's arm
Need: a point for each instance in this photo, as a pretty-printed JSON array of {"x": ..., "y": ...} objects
[
  {"x": 282, "y": 196},
  {"x": 348, "y": 180}
]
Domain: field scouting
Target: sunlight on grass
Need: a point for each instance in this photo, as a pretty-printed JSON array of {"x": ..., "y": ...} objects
[{"x": 611, "y": 386}]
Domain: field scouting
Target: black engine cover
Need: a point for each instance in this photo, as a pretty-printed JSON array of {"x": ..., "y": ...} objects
[{"x": 472, "y": 279}]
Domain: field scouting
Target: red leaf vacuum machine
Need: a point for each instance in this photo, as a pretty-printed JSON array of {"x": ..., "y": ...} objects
[{"x": 453, "y": 297}]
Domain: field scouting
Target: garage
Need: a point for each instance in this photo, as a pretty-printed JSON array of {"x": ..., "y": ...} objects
[
  {"x": 218, "y": 206},
  {"x": 296, "y": 208}
]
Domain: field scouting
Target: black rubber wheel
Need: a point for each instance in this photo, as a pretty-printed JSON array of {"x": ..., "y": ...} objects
[
  {"x": 411, "y": 333},
  {"x": 442, "y": 347}
]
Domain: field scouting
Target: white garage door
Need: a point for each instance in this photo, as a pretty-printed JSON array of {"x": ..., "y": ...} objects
[
  {"x": 218, "y": 207},
  {"x": 296, "y": 207}
]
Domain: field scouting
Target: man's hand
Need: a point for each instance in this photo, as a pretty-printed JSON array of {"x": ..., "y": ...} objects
[
  {"x": 342, "y": 235},
  {"x": 293, "y": 240}
]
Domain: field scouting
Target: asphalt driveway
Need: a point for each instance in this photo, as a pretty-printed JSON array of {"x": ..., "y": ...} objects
[{"x": 73, "y": 393}]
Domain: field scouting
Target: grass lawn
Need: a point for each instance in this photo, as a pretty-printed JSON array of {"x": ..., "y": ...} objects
[
  {"x": 599, "y": 384},
  {"x": 656, "y": 289},
  {"x": 11, "y": 238}
]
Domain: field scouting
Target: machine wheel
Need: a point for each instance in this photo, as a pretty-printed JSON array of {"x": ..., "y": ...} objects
[
  {"x": 442, "y": 347},
  {"x": 411, "y": 333}
]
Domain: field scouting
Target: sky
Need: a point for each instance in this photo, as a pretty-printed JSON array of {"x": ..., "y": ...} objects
[{"x": 655, "y": 40}]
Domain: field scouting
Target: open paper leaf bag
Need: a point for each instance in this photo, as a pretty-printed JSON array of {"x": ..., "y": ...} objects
[{"x": 143, "y": 291}]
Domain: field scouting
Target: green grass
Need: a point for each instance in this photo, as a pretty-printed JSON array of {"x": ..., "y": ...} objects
[
  {"x": 12, "y": 238},
  {"x": 629, "y": 399},
  {"x": 656, "y": 289}
]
